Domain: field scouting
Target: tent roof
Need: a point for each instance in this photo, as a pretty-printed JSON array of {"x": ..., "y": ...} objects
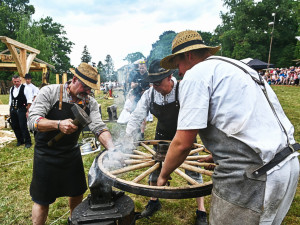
[{"x": 256, "y": 64}]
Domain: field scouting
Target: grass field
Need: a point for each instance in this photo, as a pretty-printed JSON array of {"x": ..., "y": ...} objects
[{"x": 16, "y": 172}]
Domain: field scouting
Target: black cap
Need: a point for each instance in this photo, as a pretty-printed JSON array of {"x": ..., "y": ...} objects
[{"x": 156, "y": 72}]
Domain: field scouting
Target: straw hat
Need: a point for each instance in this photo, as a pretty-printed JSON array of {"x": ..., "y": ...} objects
[
  {"x": 156, "y": 72},
  {"x": 87, "y": 74},
  {"x": 183, "y": 42}
]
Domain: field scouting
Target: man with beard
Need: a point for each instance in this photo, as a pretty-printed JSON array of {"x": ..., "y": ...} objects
[{"x": 58, "y": 170}]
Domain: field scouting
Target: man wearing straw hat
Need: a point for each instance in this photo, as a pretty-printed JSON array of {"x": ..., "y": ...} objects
[
  {"x": 162, "y": 101},
  {"x": 58, "y": 170},
  {"x": 241, "y": 122}
]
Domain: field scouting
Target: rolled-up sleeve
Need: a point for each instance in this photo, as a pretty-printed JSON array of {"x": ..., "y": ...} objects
[
  {"x": 44, "y": 101},
  {"x": 194, "y": 104},
  {"x": 97, "y": 125}
]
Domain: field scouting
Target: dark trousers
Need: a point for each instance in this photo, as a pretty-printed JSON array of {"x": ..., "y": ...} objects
[{"x": 19, "y": 125}]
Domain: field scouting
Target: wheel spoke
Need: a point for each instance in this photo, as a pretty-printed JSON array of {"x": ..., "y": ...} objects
[
  {"x": 132, "y": 156},
  {"x": 196, "y": 157},
  {"x": 134, "y": 167},
  {"x": 146, "y": 173},
  {"x": 135, "y": 161},
  {"x": 148, "y": 148},
  {"x": 196, "y": 150},
  {"x": 196, "y": 169},
  {"x": 141, "y": 153},
  {"x": 186, "y": 177},
  {"x": 198, "y": 145},
  {"x": 194, "y": 163}
]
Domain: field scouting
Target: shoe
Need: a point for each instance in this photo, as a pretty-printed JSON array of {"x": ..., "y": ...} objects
[
  {"x": 151, "y": 208},
  {"x": 19, "y": 144},
  {"x": 201, "y": 218},
  {"x": 69, "y": 221},
  {"x": 28, "y": 145}
]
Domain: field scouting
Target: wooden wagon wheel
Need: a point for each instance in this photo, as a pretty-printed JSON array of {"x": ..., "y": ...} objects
[{"x": 147, "y": 160}]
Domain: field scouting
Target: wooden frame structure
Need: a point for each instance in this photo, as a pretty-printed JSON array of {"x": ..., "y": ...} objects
[{"x": 22, "y": 59}]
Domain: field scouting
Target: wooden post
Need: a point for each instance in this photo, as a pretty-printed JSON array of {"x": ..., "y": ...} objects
[
  {"x": 97, "y": 92},
  {"x": 64, "y": 78},
  {"x": 57, "y": 78},
  {"x": 44, "y": 80}
]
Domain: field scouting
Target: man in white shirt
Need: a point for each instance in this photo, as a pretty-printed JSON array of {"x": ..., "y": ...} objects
[
  {"x": 250, "y": 137},
  {"x": 162, "y": 101},
  {"x": 34, "y": 89},
  {"x": 20, "y": 99}
]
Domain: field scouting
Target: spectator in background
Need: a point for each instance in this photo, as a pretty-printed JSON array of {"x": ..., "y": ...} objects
[
  {"x": 20, "y": 99},
  {"x": 129, "y": 106},
  {"x": 139, "y": 86},
  {"x": 29, "y": 84}
]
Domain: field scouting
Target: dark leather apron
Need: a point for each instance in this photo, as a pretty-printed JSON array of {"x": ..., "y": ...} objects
[
  {"x": 57, "y": 171},
  {"x": 167, "y": 116}
]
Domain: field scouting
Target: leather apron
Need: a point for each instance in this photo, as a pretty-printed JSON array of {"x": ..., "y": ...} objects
[
  {"x": 57, "y": 171},
  {"x": 167, "y": 116},
  {"x": 232, "y": 179}
]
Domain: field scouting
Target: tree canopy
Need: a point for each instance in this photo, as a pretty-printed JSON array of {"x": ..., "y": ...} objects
[
  {"x": 132, "y": 57},
  {"x": 45, "y": 35},
  {"x": 85, "y": 55},
  {"x": 244, "y": 31}
]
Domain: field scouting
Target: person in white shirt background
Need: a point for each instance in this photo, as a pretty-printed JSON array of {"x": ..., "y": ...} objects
[{"x": 34, "y": 89}]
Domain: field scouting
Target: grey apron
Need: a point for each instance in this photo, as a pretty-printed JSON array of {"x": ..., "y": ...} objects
[{"x": 236, "y": 193}]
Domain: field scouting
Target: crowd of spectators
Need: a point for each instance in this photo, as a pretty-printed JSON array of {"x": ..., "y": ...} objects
[{"x": 283, "y": 76}]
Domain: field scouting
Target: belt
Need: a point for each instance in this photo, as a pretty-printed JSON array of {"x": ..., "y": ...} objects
[{"x": 279, "y": 157}]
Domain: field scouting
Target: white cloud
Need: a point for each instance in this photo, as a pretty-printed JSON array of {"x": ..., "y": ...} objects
[{"x": 120, "y": 27}]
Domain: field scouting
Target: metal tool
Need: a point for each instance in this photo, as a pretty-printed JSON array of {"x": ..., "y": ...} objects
[{"x": 80, "y": 118}]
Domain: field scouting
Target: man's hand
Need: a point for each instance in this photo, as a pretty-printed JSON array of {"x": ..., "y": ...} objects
[
  {"x": 161, "y": 181},
  {"x": 208, "y": 159},
  {"x": 67, "y": 127}
]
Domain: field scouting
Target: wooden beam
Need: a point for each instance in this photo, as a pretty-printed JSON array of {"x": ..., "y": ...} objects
[
  {"x": 16, "y": 57},
  {"x": 19, "y": 45},
  {"x": 29, "y": 61},
  {"x": 23, "y": 60},
  {"x": 12, "y": 66}
]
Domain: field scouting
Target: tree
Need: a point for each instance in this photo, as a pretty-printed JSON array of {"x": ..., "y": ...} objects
[
  {"x": 60, "y": 44},
  {"x": 101, "y": 71},
  {"x": 162, "y": 47},
  {"x": 244, "y": 31},
  {"x": 109, "y": 68},
  {"x": 132, "y": 57},
  {"x": 31, "y": 34},
  {"x": 86, "y": 56},
  {"x": 11, "y": 14}
]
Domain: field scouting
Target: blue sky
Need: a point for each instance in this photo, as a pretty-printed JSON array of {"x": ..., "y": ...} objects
[{"x": 119, "y": 27}]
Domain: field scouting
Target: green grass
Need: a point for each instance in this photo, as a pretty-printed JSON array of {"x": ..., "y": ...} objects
[{"x": 15, "y": 201}]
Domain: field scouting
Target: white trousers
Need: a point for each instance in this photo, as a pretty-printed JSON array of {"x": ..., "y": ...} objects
[{"x": 279, "y": 193}]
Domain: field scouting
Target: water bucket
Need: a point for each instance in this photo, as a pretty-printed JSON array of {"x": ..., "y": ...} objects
[{"x": 86, "y": 148}]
